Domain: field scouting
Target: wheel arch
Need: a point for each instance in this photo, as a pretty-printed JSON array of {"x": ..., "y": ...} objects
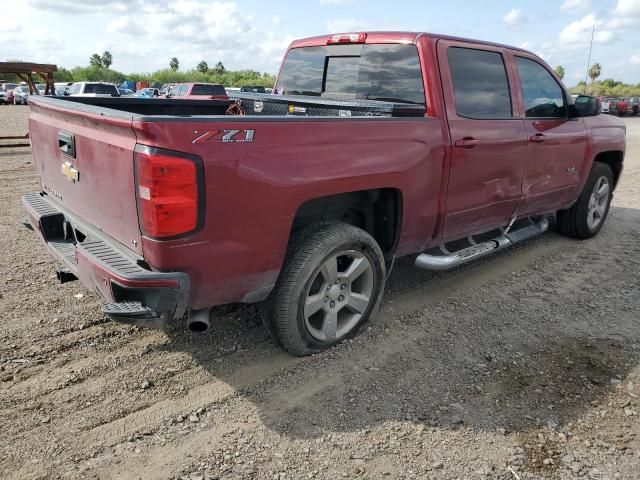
[
  {"x": 377, "y": 211},
  {"x": 614, "y": 159}
]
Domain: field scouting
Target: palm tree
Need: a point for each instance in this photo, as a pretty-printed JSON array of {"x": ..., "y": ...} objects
[
  {"x": 95, "y": 60},
  {"x": 174, "y": 64},
  {"x": 560, "y": 71},
  {"x": 202, "y": 67},
  {"x": 219, "y": 68},
  {"x": 594, "y": 71},
  {"x": 107, "y": 59}
]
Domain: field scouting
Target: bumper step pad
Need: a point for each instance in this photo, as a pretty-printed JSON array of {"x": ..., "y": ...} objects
[{"x": 132, "y": 313}]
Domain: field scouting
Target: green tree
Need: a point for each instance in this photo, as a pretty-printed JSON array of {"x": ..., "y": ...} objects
[
  {"x": 219, "y": 69},
  {"x": 594, "y": 71},
  {"x": 95, "y": 60},
  {"x": 202, "y": 67},
  {"x": 174, "y": 64},
  {"x": 107, "y": 59},
  {"x": 560, "y": 71}
]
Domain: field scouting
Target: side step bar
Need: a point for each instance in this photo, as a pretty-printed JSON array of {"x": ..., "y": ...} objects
[{"x": 504, "y": 240}]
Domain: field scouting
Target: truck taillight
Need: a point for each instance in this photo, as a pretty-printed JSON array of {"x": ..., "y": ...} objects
[
  {"x": 169, "y": 191},
  {"x": 347, "y": 38}
]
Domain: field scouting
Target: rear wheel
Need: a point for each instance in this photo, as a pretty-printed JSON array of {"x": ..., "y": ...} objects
[
  {"x": 586, "y": 217},
  {"x": 330, "y": 286}
]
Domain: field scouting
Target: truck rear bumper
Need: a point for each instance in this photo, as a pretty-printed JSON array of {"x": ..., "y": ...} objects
[{"x": 135, "y": 294}]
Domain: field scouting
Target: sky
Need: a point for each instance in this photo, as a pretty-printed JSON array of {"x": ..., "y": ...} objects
[{"x": 143, "y": 35}]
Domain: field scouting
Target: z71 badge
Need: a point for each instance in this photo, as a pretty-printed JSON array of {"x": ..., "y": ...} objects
[{"x": 223, "y": 136}]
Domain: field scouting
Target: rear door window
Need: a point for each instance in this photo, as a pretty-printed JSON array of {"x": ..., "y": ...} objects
[
  {"x": 480, "y": 84},
  {"x": 370, "y": 71},
  {"x": 542, "y": 94}
]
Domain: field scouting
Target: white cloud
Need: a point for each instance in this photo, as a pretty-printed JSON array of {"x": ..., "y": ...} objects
[
  {"x": 571, "y": 5},
  {"x": 85, "y": 6},
  {"x": 627, "y": 8},
  {"x": 338, "y": 25},
  {"x": 515, "y": 18},
  {"x": 191, "y": 30},
  {"x": 578, "y": 32},
  {"x": 126, "y": 25},
  {"x": 335, "y": 2},
  {"x": 635, "y": 59}
]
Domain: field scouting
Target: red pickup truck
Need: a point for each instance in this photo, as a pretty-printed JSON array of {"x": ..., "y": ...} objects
[{"x": 375, "y": 146}]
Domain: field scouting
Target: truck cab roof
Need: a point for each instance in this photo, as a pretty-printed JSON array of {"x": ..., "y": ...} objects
[{"x": 394, "y": 37}]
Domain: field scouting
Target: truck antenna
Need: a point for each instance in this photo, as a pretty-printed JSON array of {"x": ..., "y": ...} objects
[{"x": 589, "y": 59}]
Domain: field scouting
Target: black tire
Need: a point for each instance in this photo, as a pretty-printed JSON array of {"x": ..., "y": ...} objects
[
  {"x": 308, "y": 252},
  {"x": 573, "y": 222}
]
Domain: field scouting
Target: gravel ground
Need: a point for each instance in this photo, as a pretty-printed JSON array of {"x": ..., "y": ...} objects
[{"x": 525, "y": 365}]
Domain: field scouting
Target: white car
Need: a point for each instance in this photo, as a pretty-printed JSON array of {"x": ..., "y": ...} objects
[
  {"x": 21, "y": 95},
  {"x": 6, "y": 92},
  {"x": 93, "y": 89}
]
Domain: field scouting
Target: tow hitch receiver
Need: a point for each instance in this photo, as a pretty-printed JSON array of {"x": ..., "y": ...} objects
[{"x": 65, "y": 276}]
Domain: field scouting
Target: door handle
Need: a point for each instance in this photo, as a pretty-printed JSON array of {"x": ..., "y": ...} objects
[
  {"x": 466, "y": 142},
  {"x": 537, "y": 138}
]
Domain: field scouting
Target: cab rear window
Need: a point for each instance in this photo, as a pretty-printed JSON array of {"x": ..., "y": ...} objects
[
  {"x": 368, "y": 72},
  {"x": 204, "y": 89},
  {"x": 100, "y": 89}
]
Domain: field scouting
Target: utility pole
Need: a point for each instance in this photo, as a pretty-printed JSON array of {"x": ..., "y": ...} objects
[{"x": 589, "y": 59}]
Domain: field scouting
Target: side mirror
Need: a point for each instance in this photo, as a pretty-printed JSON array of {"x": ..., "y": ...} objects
[{"x": 585, "y": 106}]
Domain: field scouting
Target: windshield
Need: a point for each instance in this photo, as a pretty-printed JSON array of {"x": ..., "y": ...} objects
[
  {"x": 372, "y": 72},
  {"x": 100, "y": 89}
]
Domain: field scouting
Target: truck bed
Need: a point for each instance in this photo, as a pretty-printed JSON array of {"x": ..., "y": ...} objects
[{"x": 253, "y": 104}]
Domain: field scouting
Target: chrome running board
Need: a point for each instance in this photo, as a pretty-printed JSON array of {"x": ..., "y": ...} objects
[{"x": 508, "y": 237}]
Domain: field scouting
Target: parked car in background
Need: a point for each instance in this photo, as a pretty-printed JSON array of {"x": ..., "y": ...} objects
[
  {"x": 623, "y": 107},
  {"x": 125, "y": 92},
  {"x": 93, "y": 89},
  {"x": 198, "y": 91},
  {"x": 7, "y": 88},
  {"x": 609, "y": 105},
  {"x": 21, "y": 95},
  {"x": 166, "y": 88},
  {"x": 148, "y": 93},
  {"x": 253, "y": 89},
  {"x": 3, "y": 97},
  {"x": 633, "y": 103},
  {"x": 61, "y": 87}
]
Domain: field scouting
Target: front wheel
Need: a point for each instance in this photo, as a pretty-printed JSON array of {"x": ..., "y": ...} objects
[
  {"x": 330, "y": 286},
  {"x": 586, "y": 217}
]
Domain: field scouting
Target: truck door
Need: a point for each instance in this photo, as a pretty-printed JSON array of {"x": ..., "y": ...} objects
[
  {"x": 557, "y": 143},
  {"x": 489, "y": 142}
]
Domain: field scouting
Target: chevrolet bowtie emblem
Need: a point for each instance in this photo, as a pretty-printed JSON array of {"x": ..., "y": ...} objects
[{"x": 72, "y": 174}]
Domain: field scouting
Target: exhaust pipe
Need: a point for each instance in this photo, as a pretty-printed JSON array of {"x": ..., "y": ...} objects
[{"x": 198, "y": 320}]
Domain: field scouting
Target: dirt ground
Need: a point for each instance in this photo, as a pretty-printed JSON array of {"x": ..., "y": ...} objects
[{"x": 525, "y": 365}]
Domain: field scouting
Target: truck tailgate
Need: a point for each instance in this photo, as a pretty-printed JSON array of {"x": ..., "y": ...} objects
[{"x": 85, "y": 163}]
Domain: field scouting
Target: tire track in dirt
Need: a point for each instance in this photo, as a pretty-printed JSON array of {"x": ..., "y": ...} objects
[{"x": 308, "y": 385}]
